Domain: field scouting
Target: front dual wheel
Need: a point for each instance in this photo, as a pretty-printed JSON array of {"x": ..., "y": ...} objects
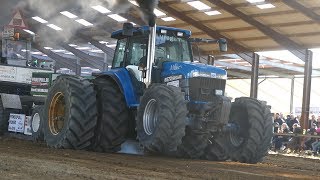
[
  {"x": 251, "y": 143},
  {"x": 161, "y": 119}
]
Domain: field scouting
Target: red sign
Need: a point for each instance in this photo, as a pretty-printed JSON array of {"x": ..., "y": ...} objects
[{"x": 17, "y": 21}]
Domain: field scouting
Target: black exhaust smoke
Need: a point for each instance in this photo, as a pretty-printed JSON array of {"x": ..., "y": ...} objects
[{"x": 147, "y": 8}]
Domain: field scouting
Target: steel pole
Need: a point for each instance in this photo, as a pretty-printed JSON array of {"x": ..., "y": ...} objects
[
  {"x": 292, "y": 95},
  {"x": 254, "y": 76},
  {"x": 151, "y": 53},
  {"x": 306, "y": 89}
]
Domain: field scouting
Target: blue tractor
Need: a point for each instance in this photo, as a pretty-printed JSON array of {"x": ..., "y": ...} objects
[{"x": 156, "y": 94}]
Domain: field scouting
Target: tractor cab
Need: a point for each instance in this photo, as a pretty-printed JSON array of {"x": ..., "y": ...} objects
[{"x": 171, "y": 45}]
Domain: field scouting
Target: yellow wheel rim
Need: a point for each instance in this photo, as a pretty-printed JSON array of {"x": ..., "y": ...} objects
[{"x": 56, "y": 113}]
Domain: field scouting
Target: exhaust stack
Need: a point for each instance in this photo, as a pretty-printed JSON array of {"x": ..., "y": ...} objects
[{"x": 147, "y": 8}]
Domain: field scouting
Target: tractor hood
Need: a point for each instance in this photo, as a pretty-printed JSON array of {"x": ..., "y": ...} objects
[{"x": 191, "y": 69}]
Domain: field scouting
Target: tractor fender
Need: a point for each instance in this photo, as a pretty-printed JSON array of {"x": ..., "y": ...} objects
[{"x": 122, "y": 77}]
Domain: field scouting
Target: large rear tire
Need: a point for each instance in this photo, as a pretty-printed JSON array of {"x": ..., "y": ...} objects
[
  {"x": 113, "y": 116},
  {"x": 161, "y": 119},
  {"x": 255, "y": 122},
  {"x": 37, "y": 120},
  {"x": 70, "y": 113}
]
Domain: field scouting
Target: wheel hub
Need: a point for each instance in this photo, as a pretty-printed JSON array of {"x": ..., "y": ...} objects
[
  {"x": 150, "y": 117},
  {"x": 56, "y": 113},
  {"x": 36, "y": 122},
  {"x": 235, "y": 136}
]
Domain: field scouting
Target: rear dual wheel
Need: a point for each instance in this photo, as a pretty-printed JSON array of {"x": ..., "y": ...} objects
[
  {"x": 113, "y": 116},
  {"x": 70, "y": 113}
]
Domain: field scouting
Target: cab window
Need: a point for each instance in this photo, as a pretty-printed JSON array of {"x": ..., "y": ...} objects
[{"x": 119, "y": 53}]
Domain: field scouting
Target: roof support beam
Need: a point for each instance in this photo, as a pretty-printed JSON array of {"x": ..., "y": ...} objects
[
  {"x": 104, "y": 48},
  {"x": 247, "y": 68},
  {"x": 304, "y": 10},
  {"x": 244, "y": 53},
  {"x": 286, "y": 66},
  {"x": 64, "y": 62},
  {"x": 94, "y": 61},
  {"x": 238, "y": 74},
  {"x": 289, "y": 44}
]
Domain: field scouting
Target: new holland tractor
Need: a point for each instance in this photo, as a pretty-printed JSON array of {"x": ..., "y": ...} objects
[{"x": 156, "y": 94}]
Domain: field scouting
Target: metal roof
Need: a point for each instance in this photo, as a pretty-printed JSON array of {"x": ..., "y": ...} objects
[{"x": 290, "y": 24}]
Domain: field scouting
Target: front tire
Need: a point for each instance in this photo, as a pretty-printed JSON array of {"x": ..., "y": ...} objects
[
  {"x": 161, "y": 119},
  {"x": 70, "y": 113},
  {"x": 255, "y": 122},
  {"x": 193, "y": 144}
]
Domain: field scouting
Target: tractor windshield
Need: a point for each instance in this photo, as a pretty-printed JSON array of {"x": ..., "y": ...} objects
[{"x": 172, "y": 48}]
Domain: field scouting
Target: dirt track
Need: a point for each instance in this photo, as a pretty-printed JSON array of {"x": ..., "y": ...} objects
[{"x": 26, "y": 160}]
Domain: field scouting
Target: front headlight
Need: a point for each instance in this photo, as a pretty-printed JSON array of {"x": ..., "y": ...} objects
[
  {"x": 201, "y": 74},
  {"x": 221, "y": 76},
  {"x": 208, "y": 75}
]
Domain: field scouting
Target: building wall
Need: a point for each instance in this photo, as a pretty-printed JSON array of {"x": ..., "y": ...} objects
[{"x": 276, "y": 91}]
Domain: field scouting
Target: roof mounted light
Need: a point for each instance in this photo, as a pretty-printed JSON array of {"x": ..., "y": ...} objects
[
  {"x": 158, "y": 13},
  {"x": 101, "y": 9},
  {"x": 68, "y": 14},
  {"x": 266, "y": 6},
  {"x": 28, "y": 31},
  {"x": 84, "y": 22},
  {"x": 212, "y": 13},
  {"x": 117, "y": 17},
  {"x": 39, "y": 19},
  {"x": 255, "y": 1},
  {"x": 57, "y": 28},
  {"x": 199, "y": 5},
  {"x": 168, "y": 19}
]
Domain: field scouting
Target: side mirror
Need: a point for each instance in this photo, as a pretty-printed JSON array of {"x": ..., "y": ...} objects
[
  {"x": 210, "y": 60},
  {"x": 223, "y": 45},
  {"x": 127, "y": 29}
]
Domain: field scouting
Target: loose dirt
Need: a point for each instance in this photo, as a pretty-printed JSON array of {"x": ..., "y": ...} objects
[{"x": 21, "y": 159}]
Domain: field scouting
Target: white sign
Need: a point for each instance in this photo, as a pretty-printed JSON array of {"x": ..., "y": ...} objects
[
  {"x": 8, "y": 73},
  {"x": 18, "y": 74},
  {"x": 312, "y": 110},
  {"x": 16, "y": 123},
  {"x": 8, "y": 32}
]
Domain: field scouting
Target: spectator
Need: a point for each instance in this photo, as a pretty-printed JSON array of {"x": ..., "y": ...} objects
[
  {"x": 312, "y": 121},
  {"x": 310, "y": 140},
  {"x": 278, "y": 119},
  {"x": 282, "y": 139},
  {"x": 316, "y": 144},
  {"x": 291, "y": 122},
  {"x": 275, "y": 139},
  {"x": 318, "y": 122},
  {"x": 287, "y": 119},
  {"x": 295, "y": 142},
  {"x": 295, "y": 126}
]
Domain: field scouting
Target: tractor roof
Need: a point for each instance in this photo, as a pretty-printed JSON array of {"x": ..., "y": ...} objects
[{"x": 142, "y": 29}]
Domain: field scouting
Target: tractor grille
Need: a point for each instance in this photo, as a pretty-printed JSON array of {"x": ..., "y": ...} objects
[{"x": 204, "y": 89}]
